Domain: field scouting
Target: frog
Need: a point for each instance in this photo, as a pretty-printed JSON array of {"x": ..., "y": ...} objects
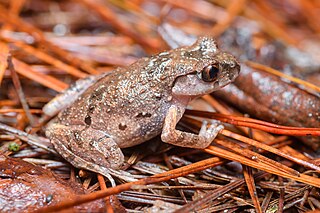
[{"x": 103, "y": 114}]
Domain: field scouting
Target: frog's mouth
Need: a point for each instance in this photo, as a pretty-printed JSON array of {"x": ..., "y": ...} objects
[{"x": 191, "y": 85}]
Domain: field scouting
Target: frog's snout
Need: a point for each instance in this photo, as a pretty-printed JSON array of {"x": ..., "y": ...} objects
[
  {"x": 229, "y": 66},
  {"x": 234, "y": 70}
]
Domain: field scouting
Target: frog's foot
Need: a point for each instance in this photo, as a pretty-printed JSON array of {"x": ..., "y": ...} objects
[
  {"x": 85, "y": 147},
  {"x": 210, "y": 133},
  {"x": 186, "y": 139}
]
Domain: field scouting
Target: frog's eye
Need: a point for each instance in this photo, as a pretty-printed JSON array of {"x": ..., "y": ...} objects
[{"x": 210, "y": 73}]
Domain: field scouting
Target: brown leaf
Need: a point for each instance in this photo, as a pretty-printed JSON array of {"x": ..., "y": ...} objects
[
  {"x": 27, "y": 187},
  {"x": 267, "y": 97}
]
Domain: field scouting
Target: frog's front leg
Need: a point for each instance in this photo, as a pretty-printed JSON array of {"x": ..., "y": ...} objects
[
  {"x": 85, "y": 147},
  {"x": 186, "y": 139}
]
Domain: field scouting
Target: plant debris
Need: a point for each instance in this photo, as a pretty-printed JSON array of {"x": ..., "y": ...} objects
[
  {"x": 265, "y": 160},
  {"x": 27, "y": 187}
]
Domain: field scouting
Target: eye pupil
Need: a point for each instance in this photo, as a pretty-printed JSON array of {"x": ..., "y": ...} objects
[
  {"x": 213, "y": 72},
  {"x": 210, "y": 73}
]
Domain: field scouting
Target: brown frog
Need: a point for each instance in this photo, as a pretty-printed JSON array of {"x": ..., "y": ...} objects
[{"x": 131, "y": 105}]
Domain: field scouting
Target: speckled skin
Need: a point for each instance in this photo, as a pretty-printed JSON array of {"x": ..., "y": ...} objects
[{"x": 134, "y": 104}]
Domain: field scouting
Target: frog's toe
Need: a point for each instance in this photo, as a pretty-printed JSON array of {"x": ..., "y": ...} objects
[
  {"x": 210, "y": 133},
  {"x": 110, "y": 151},
  {"x": 214, "y": 129},
  {"x": 216, "y": 125}
]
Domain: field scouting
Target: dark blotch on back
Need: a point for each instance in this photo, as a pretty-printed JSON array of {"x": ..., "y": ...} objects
[
  {"x": 97, "y": 95},
  {"x": 122, "y": 126},
  {"x": 144, "y": 115},
  {"x": 87, "y": 120},
  {"x": 91, "y": 108}
]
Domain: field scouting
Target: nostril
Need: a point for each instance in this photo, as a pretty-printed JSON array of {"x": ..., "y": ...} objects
[{"x": 232, "y": 64}]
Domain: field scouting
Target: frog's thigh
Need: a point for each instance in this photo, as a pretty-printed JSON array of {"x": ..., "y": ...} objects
[
  {"x": 186, "y": 139},
  {"x": 85, "y": 147}
]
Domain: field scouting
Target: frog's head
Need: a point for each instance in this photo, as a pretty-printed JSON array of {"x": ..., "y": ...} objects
[{"x": 209, "y": 69}]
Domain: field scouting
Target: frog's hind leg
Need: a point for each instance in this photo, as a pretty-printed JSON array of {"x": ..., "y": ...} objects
[
  {"x": 186, "y": 139},
  {"x": 86, "y": 148}
]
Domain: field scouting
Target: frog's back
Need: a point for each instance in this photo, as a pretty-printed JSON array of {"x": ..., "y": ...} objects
[{"x": 129, "y": 104}]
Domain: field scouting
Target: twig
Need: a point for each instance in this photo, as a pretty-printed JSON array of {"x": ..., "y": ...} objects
[
  {"x": 257, "y": 124},
  {"x": 30, "y": 139},
  {"x": 234, "y": 8},
  {"x": 46, "y": 80},
  {"x": 47, "y": 58},
  {"x": 215, "y": 194},
  {"x": 20, "y": 92},
  {"x": 179, "y": 172},
  {"x": 109, "y": 16},
  {"x": 39, "y": 36},
  {"x": 104, "y": 187},
  {"x": 269, "y": 149},
  {"x": 247, "y": 172},
  {"x": 261, "y": 166},
  {"x": 4, "y": 53}
]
